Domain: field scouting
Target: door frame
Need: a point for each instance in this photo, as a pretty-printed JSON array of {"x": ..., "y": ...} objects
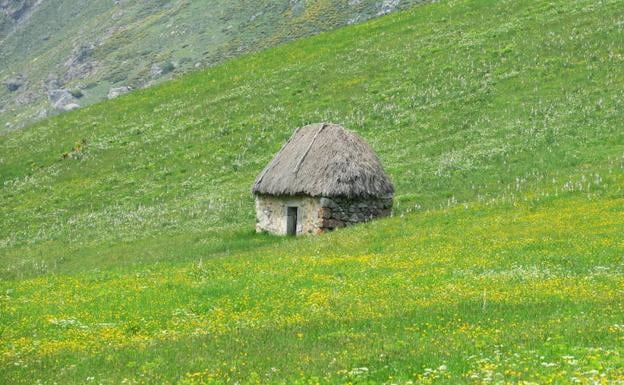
[{"x": 292, "y": 211}]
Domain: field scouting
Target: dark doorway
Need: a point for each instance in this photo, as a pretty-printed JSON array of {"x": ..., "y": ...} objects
[{"x": 291, "y": 221}]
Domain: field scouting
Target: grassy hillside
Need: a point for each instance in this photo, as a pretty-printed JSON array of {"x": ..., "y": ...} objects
[
  {"x": 93, "y": 46},
  {"x": 127, "y": 244}
]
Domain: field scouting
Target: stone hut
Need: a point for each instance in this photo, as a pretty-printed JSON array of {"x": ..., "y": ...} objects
[{"x": 324, "y": 177}]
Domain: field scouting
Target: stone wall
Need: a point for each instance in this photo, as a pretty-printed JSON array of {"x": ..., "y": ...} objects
[
  {"x": 316, "y": 215},
  {"x": 341, "y": 212},
  {"x": 271, "y": 214}
]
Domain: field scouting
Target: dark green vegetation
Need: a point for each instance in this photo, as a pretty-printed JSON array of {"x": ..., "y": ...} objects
[
  {"x": 96, "y": 45},
  {"x": 127, "y": 237}
]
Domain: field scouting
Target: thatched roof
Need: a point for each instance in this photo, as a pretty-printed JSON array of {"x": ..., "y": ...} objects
[{"x": 324, "y": 159}]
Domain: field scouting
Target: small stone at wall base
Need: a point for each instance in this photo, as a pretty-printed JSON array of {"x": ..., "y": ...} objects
[
  {"x": 332, "y": 224},
  {"x": 355, "y": 218}
]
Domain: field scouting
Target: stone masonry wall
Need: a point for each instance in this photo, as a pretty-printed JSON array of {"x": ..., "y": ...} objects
[
  {"x": 316, "y": 215},
  {"x": 271, "y": 214},
  {"x": 341, "y": 212}
]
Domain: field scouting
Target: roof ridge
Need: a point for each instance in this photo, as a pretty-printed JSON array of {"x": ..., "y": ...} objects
[{"x": 296, "y": 170}]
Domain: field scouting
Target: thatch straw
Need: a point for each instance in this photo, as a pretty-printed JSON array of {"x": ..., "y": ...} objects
[{"x": 325, "y": 160}]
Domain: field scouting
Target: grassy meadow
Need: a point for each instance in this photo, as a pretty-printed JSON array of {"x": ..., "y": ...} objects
[{"x": 127, "y": 245}]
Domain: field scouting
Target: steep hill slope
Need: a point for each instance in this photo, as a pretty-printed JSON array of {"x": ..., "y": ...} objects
[
  {"x": 127, "y": 245},
  {"x": 59, "y": 54}
]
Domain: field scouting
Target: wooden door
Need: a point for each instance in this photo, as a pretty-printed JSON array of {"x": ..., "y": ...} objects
[{"x": 291, "y": 221}]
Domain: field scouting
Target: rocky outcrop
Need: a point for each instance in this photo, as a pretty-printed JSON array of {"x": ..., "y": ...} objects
[
  {"x": 71, "y": 106},
  {"x": 80, "y": 64},
  {"x": 388, "y": 6},
  {"x": 61, "y": 99},
  {"x": 155, "y": 71},
  {"x": 297, "y": 7},
  {"x": 17, "y": 9},
  {"x": 158, "y": 70},
  {"x": 107, "y": 44},
  {"x": 118, "y": 91},
  {"x": 52, "y": 82},
  {"x": 14, "y": 83},
  {"x": 81, "y": 53},
  {"x": 26, "y": 98},
  {"x": 14, "y": 13}
]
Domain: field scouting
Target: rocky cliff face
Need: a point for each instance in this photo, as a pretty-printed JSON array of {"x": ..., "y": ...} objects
[
  {"x": 13, "y": 12},
  {"x": 15, "y": 9},
  {"x": 61, "y": 54}
]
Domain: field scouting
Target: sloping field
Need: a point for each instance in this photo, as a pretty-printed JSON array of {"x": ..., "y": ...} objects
[
  {"x": 92, "y": 46},
  {"x": 127, "y": 251}
]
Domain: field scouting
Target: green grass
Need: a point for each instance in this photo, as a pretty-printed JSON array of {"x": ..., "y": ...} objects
[
  {"x": 532, "y": 292},
  {"x": 134, "y": 259}
]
